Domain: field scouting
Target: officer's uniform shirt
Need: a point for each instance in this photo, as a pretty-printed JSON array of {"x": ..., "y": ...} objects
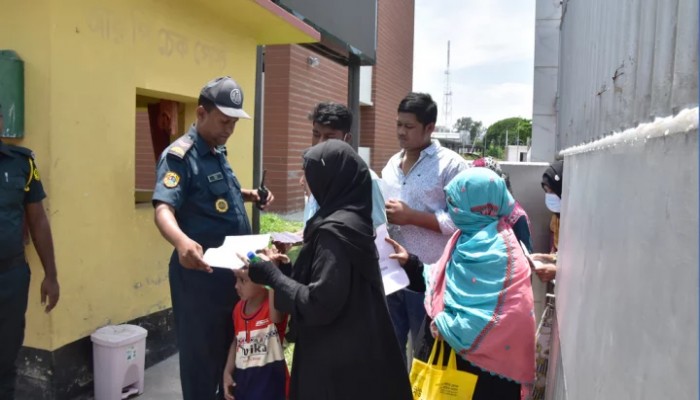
[
  {"x": 19, "y": 185},
  {"x": 200, "y": 184}
]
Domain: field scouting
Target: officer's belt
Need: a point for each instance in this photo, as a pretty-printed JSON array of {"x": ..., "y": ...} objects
[{"x": 9, "y": 263}]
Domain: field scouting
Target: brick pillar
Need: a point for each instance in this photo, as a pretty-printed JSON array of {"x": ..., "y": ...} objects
[
  {"x": 292, "y": 89},
  {"x": 392, "y": 79}
]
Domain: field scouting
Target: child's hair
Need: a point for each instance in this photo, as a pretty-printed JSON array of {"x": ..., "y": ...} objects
[{"x": 258, "y": 288}]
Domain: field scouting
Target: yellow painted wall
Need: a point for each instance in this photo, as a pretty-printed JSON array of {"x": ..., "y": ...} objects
[
  {"x": 85, "y": 62},
  {"x": 32, "y": 44}
]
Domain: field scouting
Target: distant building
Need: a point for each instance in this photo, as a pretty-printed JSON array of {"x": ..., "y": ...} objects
[
  {"x": 451, "y": 140},
  {"x": 515, "y": 153}
]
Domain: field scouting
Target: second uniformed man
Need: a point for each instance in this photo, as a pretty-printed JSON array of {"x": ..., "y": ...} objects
[
  {"x": 198, "y": 202},
  {"x": 21, "y": 195}
]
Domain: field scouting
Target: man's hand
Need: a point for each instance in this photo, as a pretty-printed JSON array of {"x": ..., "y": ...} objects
[
  {"x": 546, "y": 272},
  {"x": 50, "y": 291},
  {"x": 189, "y": 252},
  {"x": 191, "y": 255},
  {"x": 400, "y": 253},
  {"x": 251, "y": 195},
  {"x": 398, "y": 212}
]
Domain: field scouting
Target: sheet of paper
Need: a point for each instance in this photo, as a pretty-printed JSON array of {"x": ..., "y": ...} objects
[
  {"x": 393, "y": 275},
  {"x": 226, "y": 255},
  {"x": 527, "y": 253},
  {"x": 533, "y": 263},
  {"x": 389, "y": 193}
]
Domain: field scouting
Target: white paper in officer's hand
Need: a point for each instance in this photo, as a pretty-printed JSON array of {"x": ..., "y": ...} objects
[
  {"x": 393, "y": 275},
  {"x": 226, "y": 256}
]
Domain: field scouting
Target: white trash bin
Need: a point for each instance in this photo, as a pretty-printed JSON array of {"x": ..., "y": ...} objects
[{"x": 118, "y": 358}]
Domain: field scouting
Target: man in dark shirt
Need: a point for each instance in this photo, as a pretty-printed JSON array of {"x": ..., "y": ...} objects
[{"x": 21, "y": 195}]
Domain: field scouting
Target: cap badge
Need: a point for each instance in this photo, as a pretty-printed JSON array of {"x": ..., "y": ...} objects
[{"x": 236, "y": 97}]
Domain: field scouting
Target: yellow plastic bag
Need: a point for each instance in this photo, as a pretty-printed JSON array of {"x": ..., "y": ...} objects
[{"x": 433, "y": 381}]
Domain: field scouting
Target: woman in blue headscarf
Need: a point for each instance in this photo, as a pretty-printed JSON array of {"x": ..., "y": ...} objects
[{"x": 478, "y": 295}]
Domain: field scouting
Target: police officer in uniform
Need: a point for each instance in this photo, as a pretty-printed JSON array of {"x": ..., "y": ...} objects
[
  {"x": 21, "y": 195},
  {"x": 198, "y": 202}
]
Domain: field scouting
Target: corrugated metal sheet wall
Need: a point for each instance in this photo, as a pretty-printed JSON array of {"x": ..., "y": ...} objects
[{"x": 622, "y": 63}]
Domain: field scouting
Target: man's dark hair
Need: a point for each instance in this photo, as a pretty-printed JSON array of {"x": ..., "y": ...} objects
[
  {"x": 421, "y": 105},
  {"x": 206, "y": 103},
  {"x": 334, "y": 115}
]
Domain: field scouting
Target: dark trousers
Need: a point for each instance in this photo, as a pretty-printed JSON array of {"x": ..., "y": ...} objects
[
  {"x": 14, "y": 289},
  {"x": 488, "y": 387},
  {"x": 202, "y": 306},
  {"x": 407, "y": 313}
]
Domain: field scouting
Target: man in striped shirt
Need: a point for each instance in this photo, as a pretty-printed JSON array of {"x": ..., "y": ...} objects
[{"x": 414, "y": 179}]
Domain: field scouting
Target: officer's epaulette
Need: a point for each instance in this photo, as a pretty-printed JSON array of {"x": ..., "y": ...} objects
[
  {"x": 181, "y": 146},
  {"x": 21, "y": 150}
]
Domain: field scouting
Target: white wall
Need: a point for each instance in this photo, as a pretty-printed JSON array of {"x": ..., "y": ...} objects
[
  {"x": 623, "y": 63},
  {"x": 547, "y": 21},
  {"x": 366, "y": 85},
  {"x": 365, "y": 154},
  {"x": 627, "y": 285},
  {"x": 525, "y": 179},
  {"x": 525, "y": 182}
]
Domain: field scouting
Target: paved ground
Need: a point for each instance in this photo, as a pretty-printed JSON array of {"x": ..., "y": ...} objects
[{"x": 162, "y": 381}]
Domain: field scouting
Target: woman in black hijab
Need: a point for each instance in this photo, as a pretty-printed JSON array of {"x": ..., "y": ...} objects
[{"x": 345, "y": 344}]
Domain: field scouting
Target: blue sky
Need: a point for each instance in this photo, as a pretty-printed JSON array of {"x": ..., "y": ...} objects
[{"x": 492, "y": 52}]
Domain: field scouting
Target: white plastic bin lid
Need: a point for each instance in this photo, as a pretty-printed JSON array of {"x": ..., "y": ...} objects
[{"x": 118, "y": 335}]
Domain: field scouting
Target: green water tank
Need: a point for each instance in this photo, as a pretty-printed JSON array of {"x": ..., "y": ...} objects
[{"x": 11, "y": 95}]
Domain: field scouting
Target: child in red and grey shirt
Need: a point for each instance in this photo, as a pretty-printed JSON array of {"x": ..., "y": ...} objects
[{"x": 256, "y": 368}]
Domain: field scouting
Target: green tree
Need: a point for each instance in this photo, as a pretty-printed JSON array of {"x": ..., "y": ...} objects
[
  {"x": 495, "y": 152},
  {"x": 467, "y": 124},
  {"x": 519, "y": 131},
  {"x": 463, "y": 124},
  {"x": 475, "y": 131}
]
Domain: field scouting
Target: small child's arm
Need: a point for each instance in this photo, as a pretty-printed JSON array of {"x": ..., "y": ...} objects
[
  {"x": 229, "y": 384},
  {"x": 275, "y": 315}
]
